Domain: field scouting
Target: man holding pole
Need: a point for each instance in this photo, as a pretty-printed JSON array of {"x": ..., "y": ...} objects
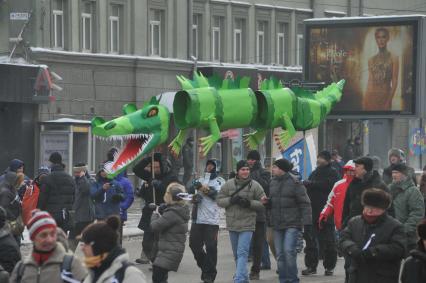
[{"x": 157, "y": 174}]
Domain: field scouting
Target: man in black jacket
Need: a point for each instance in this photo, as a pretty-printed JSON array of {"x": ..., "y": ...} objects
[
  {"x": 365, "y": 178},
  {"x": 373, "y": 241},
  {"x": 263, "y": 177},
  {"x": 319, "y": 185},
  {"x": 157, "y": 183},
  {"x": 9, "y": 249},
  {"x": 57, "y": 193}
]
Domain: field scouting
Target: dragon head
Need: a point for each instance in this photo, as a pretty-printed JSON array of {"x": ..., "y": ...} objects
[{"x": 139, "y": 130}]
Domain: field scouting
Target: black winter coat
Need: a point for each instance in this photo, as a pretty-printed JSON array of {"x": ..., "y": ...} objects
[
  {"x": 387, "y": 247},
  {"x": 9, "y": 198},
  {"x": 321, "y": 182},
  {"x": 352, "y": 205},
  {"x": 159, "y": 183},
  {"x": 172, "y": 227},
  {"x": 263, "y": 177},
  {"x": 414, "y": 269},
  {"x": 57, "y": 193},
  {"x": 83, "y": 206},
  {"x": 289, "y": 203},
  {"x": 9, "y": 250}
]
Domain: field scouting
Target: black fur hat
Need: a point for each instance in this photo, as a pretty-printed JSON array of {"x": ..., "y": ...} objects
[{"x": 376, "y": 198}]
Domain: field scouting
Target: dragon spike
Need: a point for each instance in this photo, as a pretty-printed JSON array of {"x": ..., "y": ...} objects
[
  {"x": 129, "y": 108},
  {"x": 340, "y": 84},
  {"x": 201, "y": 80},
  {"x": 245, "y": 82},
  {"x": 154, "y": 101},
  {"x": 185, "y": 83}
]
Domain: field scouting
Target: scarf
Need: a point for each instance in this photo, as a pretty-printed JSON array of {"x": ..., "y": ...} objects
[
  {"x": 41, "y": 257},
  {"x": 95, "y": 261}
]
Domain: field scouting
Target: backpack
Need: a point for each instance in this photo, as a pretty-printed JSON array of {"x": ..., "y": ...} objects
[
  {"x": 119, "y": 274},
  {"x": 29, "y": 201},
  {"x": 66, "y": 273}
]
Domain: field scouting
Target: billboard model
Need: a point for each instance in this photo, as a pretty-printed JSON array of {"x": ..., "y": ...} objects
[{"x": 376, "y": 56}]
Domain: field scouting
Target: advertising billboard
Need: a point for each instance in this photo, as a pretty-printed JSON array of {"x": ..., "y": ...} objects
[{"x": 377, "y": 56}]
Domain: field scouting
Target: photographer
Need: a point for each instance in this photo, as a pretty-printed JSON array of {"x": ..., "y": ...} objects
[
  {"x": 107, "y": 195},
  {"x": 205, "y": 221},
  {"x": 157, "y": 176}
]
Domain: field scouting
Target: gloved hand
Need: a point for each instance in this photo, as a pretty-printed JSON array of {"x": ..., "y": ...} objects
[
  {"x": 322, "y": 220},
  {"x": 356, "y": 253},
  {"x": 161, "y": 208},
  {"x": 197, "y": 184},
  {"x": 235, "y": 199},
  {"x": 367, "y": 254},
  {"x": 152, "y": 206},
  {"x": 244, "y": 203}
]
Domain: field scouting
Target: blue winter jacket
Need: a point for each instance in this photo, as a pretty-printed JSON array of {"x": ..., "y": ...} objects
[
  {"x": 106, "y": 202},
  {"x": 128, "y": 195}
]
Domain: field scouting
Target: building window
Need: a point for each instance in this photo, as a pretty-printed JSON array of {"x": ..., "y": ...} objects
[
  {"x": 86, "y": 28},
  {"x": 58, "y": 25},
  {"x": 197, "y": 36},
  {"x": 114, "y": 29},
  {"x": 281, "y": 43},
  {"x": 299, "y": 49},
  {"x": 260, "y": 42},
  {"x": 156, "y": 33},
  {"x": 216, "y": 38},
  {"x": 238, "y": 40}
]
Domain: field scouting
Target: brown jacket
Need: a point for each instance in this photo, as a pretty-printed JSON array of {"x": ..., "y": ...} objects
[{"x": 49, "y": 271}]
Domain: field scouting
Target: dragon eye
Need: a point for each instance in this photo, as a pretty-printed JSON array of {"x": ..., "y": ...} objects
[{"x": 153, "y": 112}]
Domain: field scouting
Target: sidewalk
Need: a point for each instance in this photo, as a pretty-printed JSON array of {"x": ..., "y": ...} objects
[{"x": 130, "y": 229}]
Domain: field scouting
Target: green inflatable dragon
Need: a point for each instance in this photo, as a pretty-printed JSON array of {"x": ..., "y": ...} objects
[{"x": 216, "y": 105}]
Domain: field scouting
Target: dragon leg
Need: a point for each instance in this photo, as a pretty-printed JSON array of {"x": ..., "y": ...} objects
[
  {"x": 206, "y": 143},
  {"x": 252, "y": 140},
  {"x": 176, "y": 145},
  {"x": 285, "y": 136}
]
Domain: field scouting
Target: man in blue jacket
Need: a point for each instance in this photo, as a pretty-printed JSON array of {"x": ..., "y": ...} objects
[{"x": 128, "y": 198}]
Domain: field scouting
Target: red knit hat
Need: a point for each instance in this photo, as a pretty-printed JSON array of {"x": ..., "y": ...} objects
[{"x": 39, "y": 221}]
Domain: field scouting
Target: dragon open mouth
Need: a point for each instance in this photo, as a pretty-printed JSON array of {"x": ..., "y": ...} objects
[{"x": 133, "y": 147}]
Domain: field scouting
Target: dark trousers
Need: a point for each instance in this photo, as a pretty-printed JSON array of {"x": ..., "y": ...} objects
[
  {"x": 258, "y": 242},
  {"x": 323, "y": 240},
  {"x": 159, "y": 274},
  {"x": 200, "y": 236},
  {"x": 148, "y": 242}
]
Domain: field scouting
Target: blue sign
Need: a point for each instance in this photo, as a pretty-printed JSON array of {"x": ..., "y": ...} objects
[{"x": 296, "y": 154}]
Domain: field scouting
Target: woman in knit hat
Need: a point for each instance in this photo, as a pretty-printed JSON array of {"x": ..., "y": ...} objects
[
  {"x": 45, "y": 262},
  {"x": 414, "y": 269},
  {"x": 106, "y": 260},
  {"x": 172, "y": 227},
  {"x": 374, "y": 242}
]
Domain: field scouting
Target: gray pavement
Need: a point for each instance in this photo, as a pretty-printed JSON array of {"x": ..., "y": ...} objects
[{"x": 189, "y": 272}]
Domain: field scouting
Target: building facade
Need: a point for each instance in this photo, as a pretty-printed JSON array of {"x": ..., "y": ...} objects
[{"x": 112, "y": 52}]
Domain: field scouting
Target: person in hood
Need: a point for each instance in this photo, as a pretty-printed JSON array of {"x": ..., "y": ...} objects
[
  {"x": 15, "y": 165},
  {"x": 106, "y": 260},
  {"x": 319, "y": 186},
  {"x": 9, "y": 249},
  {"x": 374, "y": 241},
  {"x": 107, "y": 195},
  {"x": 336, "y": 198},
  {"x": 414, "y": 269},
  {"x": 205, "y": 221},
  {"x": 172, "y": 227},
  {"x": 157, "y": 176},
  {"x": 241, "y": 197},
  {"x": 57, "y": 193},
  {"x": 407, "y": 202},
  {"x": 397, "y": 156}
]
